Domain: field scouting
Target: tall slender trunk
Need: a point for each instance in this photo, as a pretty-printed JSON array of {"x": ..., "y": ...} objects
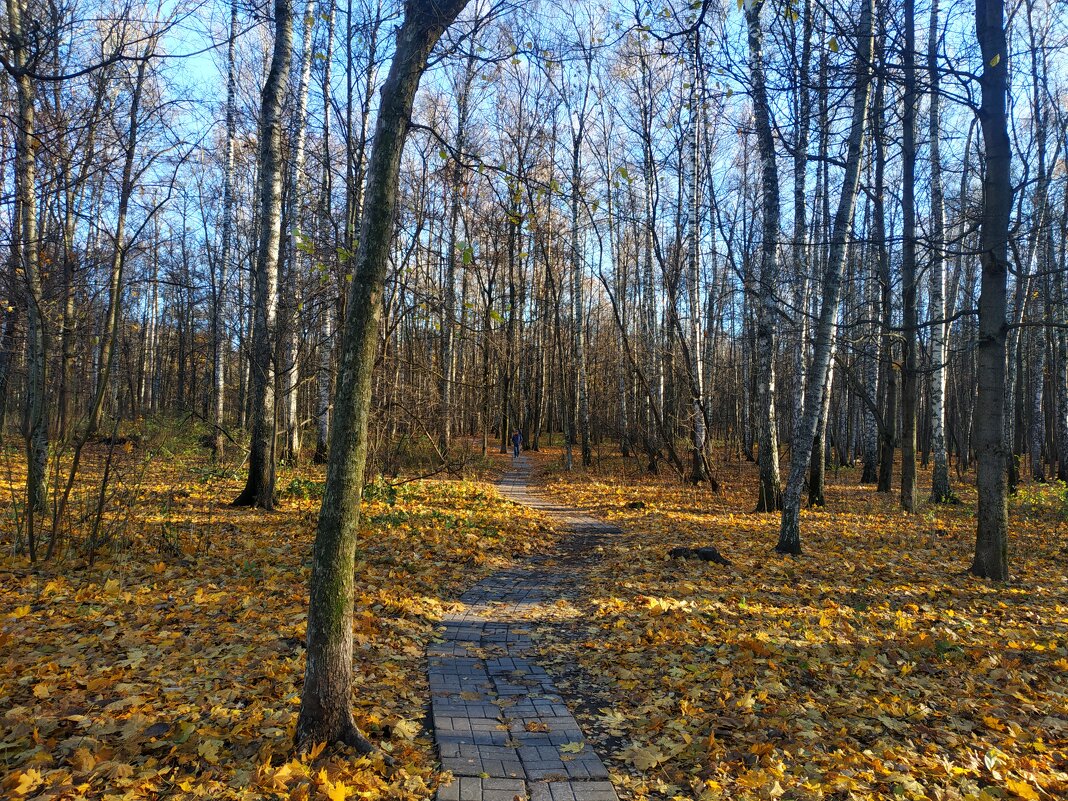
[
  {"x": 940, "y": 487},
  {"x": 789, "y": 530},
  {"x": 452, "y": 257},
  {"x": 802, "y": 128},
  {"x": 259, "y": 488},
  {"x": 910, "y": 385},
  {"x": 219, "y": 340},
  {"x": 1040, "y": 244},
  {"x": 296, "y": 258},
  {"x": 888, "y": 367},
  {"x": 872, "y": 419},
  {"x": 324, "y": 375},
  {"x": 1060, "y": 373},
  {"x": 35, "y": 426},
  {"x": 769, "y": 498},
  {"x": 991, "y": 447},
  {"x": 578, "y": 273},
  {"x": 694, "y": 344}
]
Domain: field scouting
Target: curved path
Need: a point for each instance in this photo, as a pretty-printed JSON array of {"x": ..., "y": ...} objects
[{"x": 500, "y": 725}]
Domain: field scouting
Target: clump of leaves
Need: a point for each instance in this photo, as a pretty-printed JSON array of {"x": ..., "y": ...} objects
[
  {"x": 304, "y": 488},
  {"x": 380, "y": 490},
  {"x": 1042, "y": 499}
]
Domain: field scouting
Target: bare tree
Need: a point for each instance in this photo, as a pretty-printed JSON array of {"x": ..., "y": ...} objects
[
  {"x": 769, "y": 498},
  {"x": 789, "y": 530},
  {"x": 259, "y": 488}
]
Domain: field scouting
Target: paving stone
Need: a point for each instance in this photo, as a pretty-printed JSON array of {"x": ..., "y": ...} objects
[
  {"x": 470, "y": 789},
  {"x": 594, "y": 791}
]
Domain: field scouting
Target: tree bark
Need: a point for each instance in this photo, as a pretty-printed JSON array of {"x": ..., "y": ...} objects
[
  {"x": 910, "y": 386},
  {"x": 789, "y": 528},
  {"x": 324, "y": 376},
  {"x": 219, "y": 341},
  {"x": 259, "y": 488},
  {"x": 888, "y": 367},
  {"x": 769, "y": 498},
  {"x": 325, "y": 710},
  {"x": 35, "y": 425},
  {"x": 941, "y": 492},
  {"x": 991, "y": 541},
  {"x": 296, "y": 250}
]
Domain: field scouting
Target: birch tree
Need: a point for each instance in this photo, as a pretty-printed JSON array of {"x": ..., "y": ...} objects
[
  {"x": 259, "y": 487},
  {"x": 769, "y": 497},
  {"x": 789, "y": 529}
]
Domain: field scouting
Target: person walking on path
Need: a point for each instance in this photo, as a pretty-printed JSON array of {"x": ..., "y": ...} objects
[{"x": 517, "y": 440}]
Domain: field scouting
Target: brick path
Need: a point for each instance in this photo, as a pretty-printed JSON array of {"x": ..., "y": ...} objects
[{"x": 501, "y": 726}]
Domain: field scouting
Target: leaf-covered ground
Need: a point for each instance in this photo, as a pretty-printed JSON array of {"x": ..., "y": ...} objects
[
  {"x": 172, "y": 668},
  {"x": 871, "y": 667}
]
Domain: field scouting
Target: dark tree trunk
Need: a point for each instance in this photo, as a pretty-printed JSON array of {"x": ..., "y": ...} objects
[{"x": 991, "y": 542}]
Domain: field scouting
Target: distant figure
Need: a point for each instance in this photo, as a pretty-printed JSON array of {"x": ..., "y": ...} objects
[{"x": 517, "y": 440}]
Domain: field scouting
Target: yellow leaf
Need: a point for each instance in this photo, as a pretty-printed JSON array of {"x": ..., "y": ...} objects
[
  {"x": 833, "y": 45},
  {"x": 338, "y": 791},
  {"x": 995, "y": 60},
  {"x": 28, "y": 781},
  {"x": 1022, "y": 789},
  {"x": 20, "y": 611},
  {"x": 111, "y": 587},
  {"x": 572, "y": 748},
  {"x": 209, "y": 749},
  {"x": 42, "y": 690},
  {"x": 643, "y": 757},
  {"x": 406, "y": 729}
]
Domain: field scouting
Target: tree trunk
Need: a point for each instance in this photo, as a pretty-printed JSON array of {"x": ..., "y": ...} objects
[
  {"x": 693, "y": 343},
  {"x": 219, "y": 339},
  {"x": 769, "y": 498},
  {"x": 888, "y": 367},
  {"x": 259, "y": 488},
  {"x": 789, "y": 529},
  {"x": 452, "y": 254},
  {"x": 800, "y": 249},
  {"x": 817, "y": 477},
  {"x": 326, "y": 704},
  {"x": 324, "y": 382},
  {"x": 910, "y": 385},
  {"x": 991, "y": 542},
  {"x": 940, "y": 488},
  {"x": 35, "y": 428}
]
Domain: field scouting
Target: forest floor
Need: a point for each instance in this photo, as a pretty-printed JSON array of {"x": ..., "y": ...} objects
[{"x": 871, "y": 667}]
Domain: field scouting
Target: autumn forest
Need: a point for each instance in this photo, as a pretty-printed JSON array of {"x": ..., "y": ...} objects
[{"x": 488, "y": 400}]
